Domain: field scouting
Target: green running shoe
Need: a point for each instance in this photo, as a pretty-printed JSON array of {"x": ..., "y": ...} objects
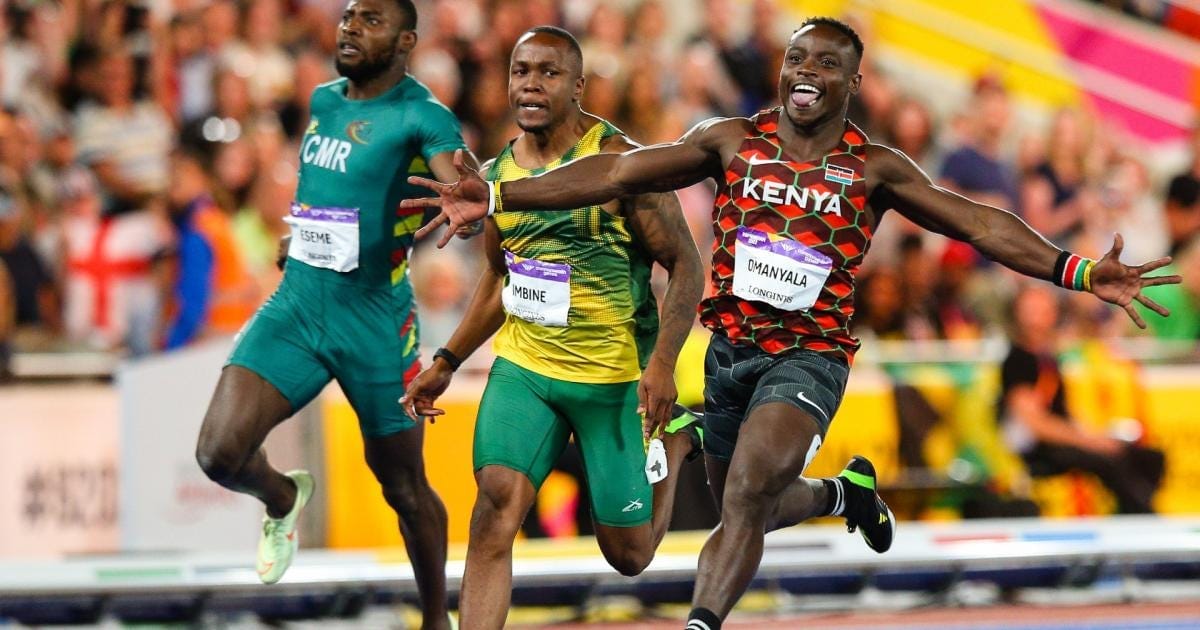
[
  {"x": 683, "y": 419},
  {"x": 279, "y": 540}
]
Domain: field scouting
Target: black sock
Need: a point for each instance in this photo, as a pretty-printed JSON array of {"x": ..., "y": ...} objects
[
  {"x": 835, "y": 497},
  {"x": 703, "y": 619}
]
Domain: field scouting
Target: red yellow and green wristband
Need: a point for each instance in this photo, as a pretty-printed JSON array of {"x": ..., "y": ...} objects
[{"x": 1073, "y": 272}]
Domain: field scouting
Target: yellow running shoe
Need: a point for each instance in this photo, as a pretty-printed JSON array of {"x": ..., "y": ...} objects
[{"x": 279, "y": 540}]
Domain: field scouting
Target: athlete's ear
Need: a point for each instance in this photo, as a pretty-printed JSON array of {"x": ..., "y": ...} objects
[
  {"x": 855, "y": 82},
  {"x": 408, "y": 40},
  {"x": 577, "y": 97}
]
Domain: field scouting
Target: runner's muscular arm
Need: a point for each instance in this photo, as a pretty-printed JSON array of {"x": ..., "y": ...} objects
[
  {"x": 485, "y": 313},
  {"x": 483, "y": 318},
  {"x": 443, "y": 168},
  {"x": 999, "y": 234},
  {"x": 657, "y": 223},
  {"x": 600, "y": 178},
  {"x": 894, "y": 181},
  {"x": 593, "y": 180}
]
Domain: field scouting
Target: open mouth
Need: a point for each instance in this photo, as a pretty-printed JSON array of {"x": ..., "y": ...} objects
[
  {"x": 531, "y": 107},
  {"x": 805, "y": 95},
  {"x": 347, "y": 49}
]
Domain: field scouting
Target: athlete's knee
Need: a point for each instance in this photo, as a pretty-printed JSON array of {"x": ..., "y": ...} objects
[
  {"x": 629, "y": 560},
  {"x": 219, "y": 460},
  {"x": 410, "y": 494},
  {"x": 747, "y": 497},
  {"x": 500, "y": 507},
  {"x": 630, "y": 563}
]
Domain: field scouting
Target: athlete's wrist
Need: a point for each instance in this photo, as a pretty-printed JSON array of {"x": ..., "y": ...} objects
[
  {"x": 449, "y": 358},
  {"x": 495, "y": 201},
  {"x": 1073, "y": 272}
]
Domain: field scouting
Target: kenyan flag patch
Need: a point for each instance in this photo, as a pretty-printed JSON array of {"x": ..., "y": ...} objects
[{"x": 839, "y": 174}]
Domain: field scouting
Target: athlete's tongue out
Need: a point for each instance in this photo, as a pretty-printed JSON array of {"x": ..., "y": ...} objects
[{"x": 804, "y": 99}]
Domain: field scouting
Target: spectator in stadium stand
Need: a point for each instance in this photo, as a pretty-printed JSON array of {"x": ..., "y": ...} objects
[
  {"x": 259, "y": 54},
  {"x": 232, "y": 114},
  {"x": 29, "y": 305},
  {"x": 954, "y": 313},
  {"x": 976, "y": 168},
  {"x": 1038, "y": 426},
  {"x": 213, "y": 294},
  {"x": 311, "y": 70},
  {"x": 1047, "y": 194},
  {"x": 1183, "y": 210},
  {"x": 190, "y": 68},
  {"x": 1183, "y": 218}
]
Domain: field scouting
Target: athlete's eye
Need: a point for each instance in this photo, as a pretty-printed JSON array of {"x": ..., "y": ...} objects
[
  {"x": 373, "y": 21},
  {"x": 828, "y": 63},
  {"x": 794, "y": 59}
]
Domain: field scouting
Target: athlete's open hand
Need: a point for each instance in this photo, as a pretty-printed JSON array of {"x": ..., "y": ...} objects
[
  {"x": 462, "y": 203},
  {"x": 656, "y": 396},
  {"x": 1120, "y": 284},
  {"x": 424, "y": 390}
]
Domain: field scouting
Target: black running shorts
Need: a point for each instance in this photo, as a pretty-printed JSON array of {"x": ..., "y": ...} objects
[{"x": 738, "y": 378}]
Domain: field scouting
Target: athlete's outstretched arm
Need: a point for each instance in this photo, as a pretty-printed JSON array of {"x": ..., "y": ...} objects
[
  {"x": 444, "y": 165},
  {"x": 894, "y": 181},
  {"x": 587, "y": 181},
  {"x": 657, "y": 222},
  {"x": 483, "y": 318}
]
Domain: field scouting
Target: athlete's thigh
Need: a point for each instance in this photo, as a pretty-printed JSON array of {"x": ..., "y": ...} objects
[
  {"x": 370, "y": 344},
  {"x": 608, "y": 432},
  {"x": 775, "y": 445},
  {"x": 397, "y": 460},
  {"x": 279, "y": 345},
  {"x": 516, "y": 427},
  {"x": 243, "y": 410},
  {"x": 730, "y": 375}
]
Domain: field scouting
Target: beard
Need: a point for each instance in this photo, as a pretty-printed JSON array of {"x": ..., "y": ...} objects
[
  {"x": 368, "y": 68},
  {"x": 365, "y": 70}
]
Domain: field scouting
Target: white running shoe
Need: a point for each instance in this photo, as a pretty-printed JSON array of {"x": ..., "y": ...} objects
[{"x": 279, "y": 540}]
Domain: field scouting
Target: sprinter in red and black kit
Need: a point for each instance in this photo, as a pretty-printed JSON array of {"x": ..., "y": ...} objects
[{"x": 801, "y": 190}]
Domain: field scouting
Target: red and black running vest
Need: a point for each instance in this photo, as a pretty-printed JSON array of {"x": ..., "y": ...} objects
[{"x": 819, "y": 205}]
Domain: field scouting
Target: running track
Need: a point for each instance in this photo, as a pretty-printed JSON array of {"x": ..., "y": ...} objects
[{"x": 1174, "y": 616}]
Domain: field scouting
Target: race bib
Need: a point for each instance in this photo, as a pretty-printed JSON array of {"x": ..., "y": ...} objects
[
  {"x": 537, "y": 291},
  {"x": 324, "y": 237},
  {"x": 778, "y": 270}
]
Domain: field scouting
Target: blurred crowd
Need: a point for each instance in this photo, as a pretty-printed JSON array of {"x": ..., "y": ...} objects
[
  {"x": 1180, "y": 16},
  {"x": 148, "y": 154}
]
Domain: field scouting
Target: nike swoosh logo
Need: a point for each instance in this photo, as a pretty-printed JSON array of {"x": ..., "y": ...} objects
[
  {"x": 266, "y": 568},
  {"x": 755, "y": 161},
  {"x": 804, "y": 399}
]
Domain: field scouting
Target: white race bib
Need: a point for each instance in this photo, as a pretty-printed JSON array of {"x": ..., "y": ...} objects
[
  {"x": 537, "y": 291},
  {"x": 324, "y": 237},
  {"x": 778, "y": 270}
]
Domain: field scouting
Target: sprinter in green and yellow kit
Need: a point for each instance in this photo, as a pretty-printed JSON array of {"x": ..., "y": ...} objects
[
  {"x": 344, "y": 310},
  {"x": 579, "y": 348}
]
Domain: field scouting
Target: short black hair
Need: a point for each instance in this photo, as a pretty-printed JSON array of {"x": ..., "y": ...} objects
[
  {"x": 563, "y": 34},
  {"x": 1184, "y": 190},
  {"x": 410, "y": 12},
  {"x": 841, "y": 26}
]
